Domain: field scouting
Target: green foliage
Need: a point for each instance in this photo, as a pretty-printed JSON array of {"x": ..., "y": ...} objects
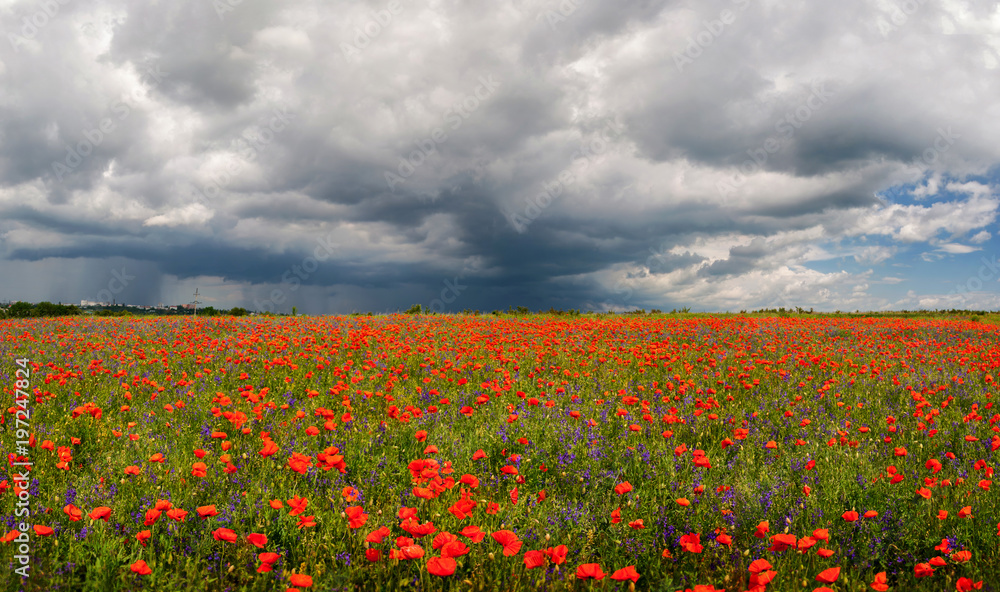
[
  {"x": 600, "y": 361},
  {"x": 23, "y": 310}
]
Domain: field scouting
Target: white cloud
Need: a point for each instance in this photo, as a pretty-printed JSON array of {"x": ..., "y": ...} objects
[
  {"x": 875, "y": 254},
  {"x": 191, "y": 214},
  {"x": 957, "y": 249},
  {"x": 980, "y": 237}
]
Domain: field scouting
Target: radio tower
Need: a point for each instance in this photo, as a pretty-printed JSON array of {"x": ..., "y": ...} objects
[{"x": 196, "y": 303}]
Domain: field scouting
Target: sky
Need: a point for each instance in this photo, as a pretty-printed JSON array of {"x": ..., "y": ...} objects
[{"x": 352, "y": 156}]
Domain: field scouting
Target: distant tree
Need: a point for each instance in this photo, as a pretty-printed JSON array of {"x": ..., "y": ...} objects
[
  {"x": 20, "y": 310},
  {"x": 238, "y": 312},
  {"x": 415, "y": 309}
]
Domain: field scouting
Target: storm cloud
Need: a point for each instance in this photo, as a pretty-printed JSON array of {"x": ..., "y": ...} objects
[{"x": 368, "y": 155}]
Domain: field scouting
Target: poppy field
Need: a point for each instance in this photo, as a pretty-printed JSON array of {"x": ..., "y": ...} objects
[{"x": 446, "y": 452}]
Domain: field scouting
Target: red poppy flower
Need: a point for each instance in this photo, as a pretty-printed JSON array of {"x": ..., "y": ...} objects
[
  {"x": 881, "y": 582},
  {"x": 589, "y": 571},
  {"x": 142, "y": 536},
  {"x": 533, "y": 559},
  {"x": 100, "y": 513},
  {"x": 762, "y": 579},
  {"x": 301, "y": 580},
  {"x": 966, "y": 585},
  {"x": 257, "y": 539},
  {"x": 177, "y": 514},
  {"x": 306, "y": 522},
  {"x": 622, "y": 488},
  {"x": 781, "y": 542},
  {"x": 828, "y": 576},
  {"x": 224, "y": 534},
  {"x": 511, "y": 544},
  {"x": 411, "y": 552},
  {"x": 441, "y": 566},
  {"x": 141, "y": 568},
  {"x": 557, "y": 555},
  {"x": 759, "y": 565},
  {"x": 691, "y": 542},
  {"x": 298, "y": 505},
  {"x": 377, "y": 535},
  {"x": 356, "y": 516},
  {"x": 850, "y": 516},
  {"x": 73, "y": 512},
  {"x": 626, "y": 573},
  {"x": 42, "y": 530},
  {"x": 923, "y": 570},
  {"x": 207, "y": 511},
  {"x": 442, "y": 539},
  {"x": 473, "y": 533},
  {"x": 454, "y": 549},
  {"x": 762, "y": 529}
]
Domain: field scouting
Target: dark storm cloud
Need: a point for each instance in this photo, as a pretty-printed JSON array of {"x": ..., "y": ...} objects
[
  {"x": 736, "y": 121},
  {"x": 741, "y": 259}
]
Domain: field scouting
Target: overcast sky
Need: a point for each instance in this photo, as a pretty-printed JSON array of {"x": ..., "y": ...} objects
[{"x": 353, "y": 155}]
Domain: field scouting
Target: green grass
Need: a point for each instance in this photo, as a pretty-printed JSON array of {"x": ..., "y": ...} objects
[{"x": 641, "y": 354}]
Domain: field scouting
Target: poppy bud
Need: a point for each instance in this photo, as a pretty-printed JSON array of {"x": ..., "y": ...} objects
[{"x": 490, "y": 556}]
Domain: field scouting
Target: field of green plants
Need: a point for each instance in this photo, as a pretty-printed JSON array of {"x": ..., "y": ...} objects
[{"x": 414, "y": 452}]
